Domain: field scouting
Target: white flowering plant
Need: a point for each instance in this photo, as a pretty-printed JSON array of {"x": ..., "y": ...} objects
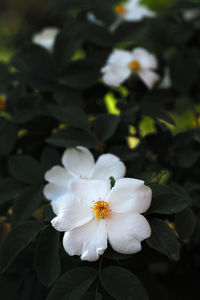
[{"x": 100, "y": 154}]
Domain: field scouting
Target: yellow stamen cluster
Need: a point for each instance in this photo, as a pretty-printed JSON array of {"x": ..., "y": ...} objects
[
  {"x": 120, "y": 9},
  {"x": 134, "y": 65},
  {"x": 101, "y": 209}
]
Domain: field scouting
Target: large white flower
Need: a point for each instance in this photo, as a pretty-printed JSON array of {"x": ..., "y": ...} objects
[
  {"x": 46, "y": 38},
  {"x": 122, "y": 63},
  {"x": 79, "y": 163},
  {"x": 132, "y": 10},
  {"x": 93, "y": 213}
]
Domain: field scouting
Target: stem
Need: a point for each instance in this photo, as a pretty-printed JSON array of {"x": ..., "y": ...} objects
[
  {"x": 115, "y": 24},
  {"x": 99, "y": 272}
]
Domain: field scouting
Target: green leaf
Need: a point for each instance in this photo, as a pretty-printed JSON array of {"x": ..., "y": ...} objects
[
  {"x": 104, "y": 10},
  {"x": 92, "y": 296},
  {"x": 5, "y": 76},
  {"x": 70, "y": 115},
  {"x": 35, "y": 59},
  {"x": 185, "y": 224},
  {"x": 10, "y": 286},
  {"x": 62, "y": 6},
  {"x": 121, "y": 284},
  {"x": 81, "y": 74},
  {"x": 131, "y": 32},
  {"x": 17, "y": 240},
  {"x": 163, "y": 239},
  {"x": 167, "y": 200},
  {"x": 99, "y": 35},
  {"x": 183, "y": 70},
  {"x": 71, "y": 137},
  {"x": 8, "y": 136},
  {"x": 67, "y": 42},
  {"x": 9, "y": 189},
  {"x": 73, "y": 284},
  {"x": 105, "y": 126},
  {"x": 47, "y": 259},
  {"x": 26, "y": 169},
  {"x": 50, "y": 157},
  {"x": 26, "y": 202}
]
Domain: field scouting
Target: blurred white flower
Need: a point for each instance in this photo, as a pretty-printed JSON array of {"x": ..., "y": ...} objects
[
  {"x": 46, "y": 37},
  {"x": 93, "y": 19},
  {"x": 79, "y": 163},
  {"x": 132, "y": 10},
  {"x": 191, "y": 14},
  {"x": 122, "y": 63},
  {"x": 94, "y": 213}
]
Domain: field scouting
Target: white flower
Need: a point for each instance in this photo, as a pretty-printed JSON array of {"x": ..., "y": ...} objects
[
  {"x": 93, "y": 19},
  {"x": 93, "y": 213},
  {"x": 132, "y": 10},
  {"x": 79, "y": 163},
  {"x": 46, "y": 38},
  {"x": 122, "y": 63}
]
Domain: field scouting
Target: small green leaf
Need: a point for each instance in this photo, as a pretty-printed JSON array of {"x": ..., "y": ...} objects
[
  {"x": 185, "y": 224},
  {"x": 105, "y": 126},
  {"x": 71, "y": 115},
  {"x": 92, "y": 296},
  {"x": 73, "y": 284},
  {"x": 168, "y": 200},
  {"x": 26, "y": 202},
  {"x": 17, "y": 240},
  {"x": 121, "y": 284},
  {"x": 9, "y": 189},
  {"x": 112, "y": 181},
  {"x": 163, "y": 239},
  {"x": 8, "y": 136},
  {"x": 26, "y": 169},
  {"x": 71, "y": 137},
  {"x": 49, "y": 158},
  {"x": 47, "y": 259}
]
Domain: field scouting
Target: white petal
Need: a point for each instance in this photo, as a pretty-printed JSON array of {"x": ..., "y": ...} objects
[
  {"x": 129, "y": 195},
  {"x": 72, "y": 213},
  {"x": 58, "y": 175},
  {"x": 78, "y": 161},
  {"x": 145, "y": 58},
  {"x": 60, "y": 203},
  {"x": 119, "y": 58},
  {"x": 90, "y": 190},
  {"x": 46, "y": 37},
  {"x": 53, "y": 191},
  {"x": 137, "y": 13},
  {"x": 126, "y": 231},
  {"x": 115, "y": 75},
  {"x": 89, "y": 240},
  {"x": 149, "y": 77},
  {"x": 106, "y": 166}
]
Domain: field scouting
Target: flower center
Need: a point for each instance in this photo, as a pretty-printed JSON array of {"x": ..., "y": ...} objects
[
  {"x": 134, "y": 65},
  {"x": 120, "y": 9},
  {"x": 101, "y": 209}
]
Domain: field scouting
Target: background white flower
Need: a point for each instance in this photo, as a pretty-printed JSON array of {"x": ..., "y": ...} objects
[
  {"x": 132, "y": 10},
  {"x": 46, "y": 37},
  {"x": 122, "y": 63},
  {"x": 93, "y": 213},
  {"x": 79, "y": 163}
]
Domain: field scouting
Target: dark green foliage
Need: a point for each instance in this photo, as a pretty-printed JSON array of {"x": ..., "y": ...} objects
[
  {"x": 17, "y": 240},
  {"x": 163, "y": 239},
  {"x": 73, "y": 284},
  {"x": 47, "y": 258},
  {"x": 122, "y": 284}
]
